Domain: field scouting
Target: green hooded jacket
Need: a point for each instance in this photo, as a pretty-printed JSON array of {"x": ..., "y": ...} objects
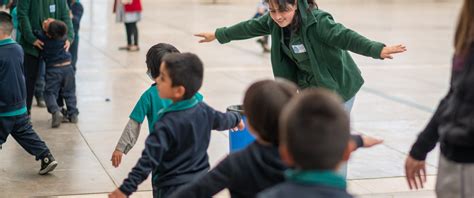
[
  {"x": 32, "y": 13},
  {"x": 326, "y": 42}
]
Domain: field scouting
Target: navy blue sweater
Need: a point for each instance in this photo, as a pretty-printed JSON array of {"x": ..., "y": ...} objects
[
  {"x": 177, "y": 148},
  {"x": 12, "y": 80},
  {"x": 53, "y": 49}
]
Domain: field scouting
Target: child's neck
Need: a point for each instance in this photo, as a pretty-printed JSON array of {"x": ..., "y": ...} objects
[{"x": 4, "y": 36}]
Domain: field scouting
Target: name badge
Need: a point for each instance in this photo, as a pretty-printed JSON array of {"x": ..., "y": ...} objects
[
  {"x": 52, "y": 8},
  {"x": 298, "y": 49}
]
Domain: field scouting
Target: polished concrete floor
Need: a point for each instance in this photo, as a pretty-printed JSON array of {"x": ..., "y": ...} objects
[{"x": 395, "y": 103}]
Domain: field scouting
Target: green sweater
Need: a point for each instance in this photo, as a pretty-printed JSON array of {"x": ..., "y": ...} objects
[
  {"x": 32, "y": 13},
  {"x": 326, "y": 42}
]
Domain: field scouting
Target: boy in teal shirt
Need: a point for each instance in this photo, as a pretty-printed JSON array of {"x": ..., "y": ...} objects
[{"x": 147, "y": 106}]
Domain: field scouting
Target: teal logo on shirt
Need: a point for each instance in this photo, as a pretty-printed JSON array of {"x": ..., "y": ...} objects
[{"x": 298, "y": 49}]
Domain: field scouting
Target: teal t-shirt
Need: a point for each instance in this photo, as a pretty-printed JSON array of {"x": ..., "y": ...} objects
[{"x": 149, "y": 105}]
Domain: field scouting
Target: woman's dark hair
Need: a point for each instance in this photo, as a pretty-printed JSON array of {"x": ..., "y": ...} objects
[
  {"x": 464, "y": 36},
  {"x": 57, "y": 30},
  {"x": 283, "y": 6},
  {"x": 155, "y": 55},
  {"x": 263, "y": 103}
]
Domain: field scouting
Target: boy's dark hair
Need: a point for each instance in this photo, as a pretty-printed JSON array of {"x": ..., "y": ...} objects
[
  {"x": 155, "y": 55},
  {"x": 6, "y": 24},
  {"x": 295, "y": 25},
  {"x": 263, "y": 103},
  {"x": 185, "y": 70},
  {"x": 57, "y": 30},
  {"x": 315, "y": 128}
]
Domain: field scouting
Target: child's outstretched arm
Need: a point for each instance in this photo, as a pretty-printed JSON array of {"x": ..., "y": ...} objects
[
  {"x": 156, "y": 145},
  {"x": 335, "y": 34},
  {"x": 224, "y": 121},
  {"x": 126, "y": 142},
  {"x": 243, "y": 30}
]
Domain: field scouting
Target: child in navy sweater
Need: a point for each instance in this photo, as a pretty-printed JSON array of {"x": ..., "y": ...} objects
[
  {"x": 177, "y": 148},
  {"x": 59, "y": 71},
  {"x": 14, "y": 119}
]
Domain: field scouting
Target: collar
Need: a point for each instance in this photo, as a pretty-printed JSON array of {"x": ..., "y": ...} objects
[
  {"x": 327, "y": 178},
  {"x": 181, "y": 105},
  {"x": 6, "y": 41}
]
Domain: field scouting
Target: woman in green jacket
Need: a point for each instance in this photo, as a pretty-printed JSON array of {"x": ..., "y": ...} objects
[{"x": 308, "y": 47}]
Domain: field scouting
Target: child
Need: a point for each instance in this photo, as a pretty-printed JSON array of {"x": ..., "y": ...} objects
[
  {"x": 177, "y": 148},
  {"x": 314, "y": 139},
  {"x": 59, "y": 72},
  {"x": 308, "y": 47},
  {"x": 258, "y": 166},
  {"x": 14, "y": 119},
  {"x": 149, "y": 104},
  {"x": 452, "y": 124}
]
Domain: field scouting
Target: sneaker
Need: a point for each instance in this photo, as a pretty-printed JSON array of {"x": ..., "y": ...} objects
[
  {"x": 48, "y": 164},
  {"x": 57, "y": 119},
  {"x": 73, "y": 119},
  {"x": 40, "y": 102},
  {"x": 64, "y": 113}
]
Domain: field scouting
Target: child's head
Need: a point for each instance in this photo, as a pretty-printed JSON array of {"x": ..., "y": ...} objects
[
  {"x": 6, "y": 25},
  {"x": 283, "y": 11},
  {"x": 180, "y": 76},
  {"x": 314, "y": 131},
  {"x": 263, "y": 103},
  {"x": 464, "y": 37},
  {"x": 155, "y": 55},
  {"x": 55, "y": 29}
]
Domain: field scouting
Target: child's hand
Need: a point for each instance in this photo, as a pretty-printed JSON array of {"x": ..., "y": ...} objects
[
  {"x": 370, "y": 141},
  {"x": 207, "y": 37},
  {"x": 39, "y": 44},
  {"x": 415, "y": 172},
  {"x": 239, "y": 127},
  {"x": 116, "y": 158},
  {"x": 388, "y": 51},
  {"x": 67, "y": 44},
  {"x": 117, "y": 194}
]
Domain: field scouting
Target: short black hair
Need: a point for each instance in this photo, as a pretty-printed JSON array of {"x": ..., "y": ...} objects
[
  {"x": 185, "y": 70},
  {"x": 6, "y": 24},
  {"x": 155, "y": 55},
  {"x": 263, "y": 103},
  {"x": 315, "y": 128},
  {"x": 57, "y": 30}
]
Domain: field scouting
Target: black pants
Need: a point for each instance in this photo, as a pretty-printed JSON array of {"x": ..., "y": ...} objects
[
  {"x": 31, "y": 68},
  {"x": 132, "y": 33},
  {"x": 21, "y": 130},
  {"x": 61, "y": 81}
]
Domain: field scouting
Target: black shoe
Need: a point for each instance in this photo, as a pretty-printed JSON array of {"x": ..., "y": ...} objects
[
  {"x": 48, "y": 164},
  {"x": 73, "y": 119},
  {"x": 57, "y": 119},
  {"x": 40, "y": 102}
]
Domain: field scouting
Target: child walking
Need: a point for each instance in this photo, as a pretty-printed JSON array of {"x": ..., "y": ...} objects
[
  {"x": 59, "y": 71},
  {"x": 177, "y": 148},
  {"x": 14, "y": 119},
  {"x": 314, "y": 140},
  {"x": 147, "y": 106},
  {"x": 258, "y": 166}
]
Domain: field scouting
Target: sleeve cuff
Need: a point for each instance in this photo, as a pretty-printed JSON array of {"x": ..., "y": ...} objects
[
  {"x": 220, "y": 35},
  {"x": 377, "y": 50},
  {"x": 358, "y": 140},
  {"x": 122, "y": 188}
]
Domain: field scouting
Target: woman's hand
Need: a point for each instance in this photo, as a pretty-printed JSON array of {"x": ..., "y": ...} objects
[
  {"x": 388, "y": 51},
  {"x": 207, "y": 37},
  {"x": 415, "y": 172}
]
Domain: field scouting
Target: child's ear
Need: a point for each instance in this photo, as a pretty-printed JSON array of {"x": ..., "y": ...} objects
[
  {"x": 347, "y": 152},
  {"x": 286, "y": 156},
  {"x": 179, "y": 91}
]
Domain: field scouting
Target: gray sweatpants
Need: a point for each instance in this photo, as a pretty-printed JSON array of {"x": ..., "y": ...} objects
[{"x": 455, "y": 180}]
